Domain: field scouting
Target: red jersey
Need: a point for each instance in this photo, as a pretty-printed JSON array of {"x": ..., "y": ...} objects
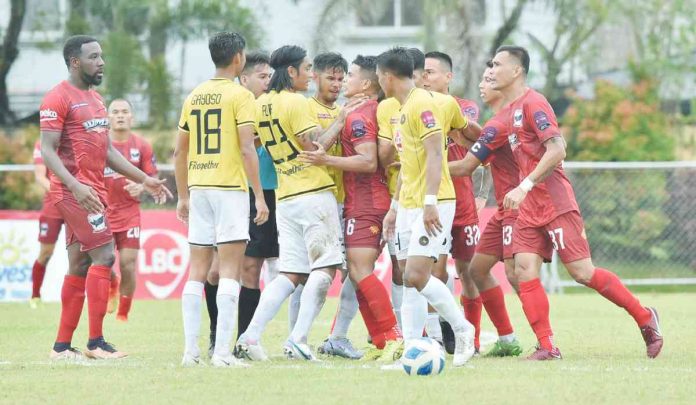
[
  {"x": 122, "y": 208},
  {"x": 365, "y": 192},
  {"x": 48, "y": 209},
  {"x": 465, "y": 210},
  {"x": 81, "y": 118},
  {"x": 530, "y": 121},
  {"x": 493, "y": 148}
]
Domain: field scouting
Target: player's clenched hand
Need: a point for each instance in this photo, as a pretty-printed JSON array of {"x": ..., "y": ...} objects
[
  {"x": 514, "y": 198},
  {"x": 88, "y": 198},
  {"x": 314, "y": 157},
  {"x": 182, "y": 210},
  {"x": 157, "y": 189},
  {"x": 389, "y": 225},
  {"x": 261, "y": 211},
  {"x": 133, "y": 189},
  {"x": 431, "y": 220}
]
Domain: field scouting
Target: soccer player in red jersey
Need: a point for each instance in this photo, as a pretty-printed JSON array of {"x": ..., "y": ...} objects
[
  {"x": 367, "y": 202},
  {"x": 50, "y": 222},
  {"x": 123, "y": 203},
  {"x": 549, "y": 217},
  {"x": 496, "y": 241},
  {"x": 465, "y": 230},
  {"x": 75, "y": 147}
]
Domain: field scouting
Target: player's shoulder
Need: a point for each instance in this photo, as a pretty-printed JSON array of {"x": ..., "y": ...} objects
[
  {"x": 388, "y": 106},
  {"x": 469, "y": 107},
  {"x": 139, "y": 140},
  {"x": 58, "y": 92},
  {"x": 532, "y": 96}
]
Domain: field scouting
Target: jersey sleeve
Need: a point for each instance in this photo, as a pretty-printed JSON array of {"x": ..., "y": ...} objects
[
  {"x": 148, "y": 159},
  {"x": 492, "y": 137},
  {"x": 245, "y": 109},
  {"x": 459, "y": 120},
  {"x": 423, "y": 121},
  {"x": 53, "y": 112},
  {"x": 541, "y": 119},
  {"x": 363, "y": 129},
  {"x": 384, "y": 122},
  {"x": 470, "y": 110},
  {"x": 38, "y": 159},
  {"x": 185, "y": 111},
  {"x": 301, "y": 118}
]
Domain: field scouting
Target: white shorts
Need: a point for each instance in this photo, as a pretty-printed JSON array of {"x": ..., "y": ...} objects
[
  {"x": 218, "y": 216},
  {"x": 412, "y": 238},
  {"x": 308, "y": 233}
]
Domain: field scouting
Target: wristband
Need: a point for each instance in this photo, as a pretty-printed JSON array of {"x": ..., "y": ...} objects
[
  {"x": 527, "y": 185},
  {"x": 394, "y": 205},
  {"x": 430, "y": 199}
]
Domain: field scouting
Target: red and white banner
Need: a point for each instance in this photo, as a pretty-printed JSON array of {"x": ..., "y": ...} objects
[{"x": 163, "y": 260}]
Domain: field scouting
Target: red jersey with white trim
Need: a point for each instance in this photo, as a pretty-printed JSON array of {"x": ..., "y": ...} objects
[
  {"x": 465, "y": 212},
  {"x": 365, "y": 192},
  {"x": 81, "y": 118},
  {"x": 122, "y": 208},
  {"x": 48, "y": 209}
]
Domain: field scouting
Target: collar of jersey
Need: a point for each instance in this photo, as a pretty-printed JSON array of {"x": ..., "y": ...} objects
[{"x": 324, "y": 105}]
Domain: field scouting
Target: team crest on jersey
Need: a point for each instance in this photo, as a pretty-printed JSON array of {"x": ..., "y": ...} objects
[
  {"x": 357, "y": 129},
  {"x": 470, "y": 112},
  {"x": 98, "y": 222},
  {"x": 428, "y": 119},
  {"x": 514, "y": 142},
  {"x": 135, "y": 154},
  {"x": 541, "y": 120},
  {"x": 403, "y": 118},
  {"x": 517, "y": 118}
]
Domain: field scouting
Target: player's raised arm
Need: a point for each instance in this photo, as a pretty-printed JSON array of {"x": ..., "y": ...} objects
[
  {"x": 328, "y": 137},
  {"x": 464, "y": 167}
]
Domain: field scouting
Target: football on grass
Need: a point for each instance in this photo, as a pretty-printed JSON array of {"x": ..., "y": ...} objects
[{"x": 423, "y": 356}]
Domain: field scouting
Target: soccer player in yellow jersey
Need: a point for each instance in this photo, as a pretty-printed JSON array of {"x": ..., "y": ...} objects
[
  {"x": 307, "y": 215},
  {"x": 425, "y": 201},
  {"x": 215, "y": 159}
]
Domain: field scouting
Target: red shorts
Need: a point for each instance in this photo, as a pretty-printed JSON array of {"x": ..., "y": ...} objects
[
  {"x": 496, "y": 239},
  {"x": 364, "y": 230},
  {"x": 90, "y": 230},
  {"x": 49, "y": 229},
  {"x": 565, "y": 234},
  {"x": 128, "y": 239},
  {"x": 464, "y": 241}
]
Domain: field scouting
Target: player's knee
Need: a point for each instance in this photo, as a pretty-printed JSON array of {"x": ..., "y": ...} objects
[
  {"x": 416, "y": 279},
  {"x": 581, "y": 274},
  {"x": 44, "y": 257}
]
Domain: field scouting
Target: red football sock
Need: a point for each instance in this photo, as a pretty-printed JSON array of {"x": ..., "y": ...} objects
[
  {"x": 72, "y": 298},
  {"x": 114, "y": 285},
  {"x": 379, "y": 304},
  {"x": 472, "y": 313},
  {"x": 610, "y": 287},
  {"x": 535, "y": 304},
  {"x": 124, "y": 306},
  {"x": 369, "y": 319},
  {"x": 494, "y": 302},
  {"x": 98, "y": 282},
  {"x": 37, "y": 275}
]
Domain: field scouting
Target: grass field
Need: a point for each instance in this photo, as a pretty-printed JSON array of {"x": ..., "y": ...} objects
[{"x": 604, "y": 363}]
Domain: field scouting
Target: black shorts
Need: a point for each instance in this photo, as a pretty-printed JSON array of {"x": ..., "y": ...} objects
[{"x": 263, "y": 239}]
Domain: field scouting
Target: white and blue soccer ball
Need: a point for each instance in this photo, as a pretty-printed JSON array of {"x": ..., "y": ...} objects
[{"x": 423, "y": 356}]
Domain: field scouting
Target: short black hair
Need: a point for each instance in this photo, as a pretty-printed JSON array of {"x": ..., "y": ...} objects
[
  {"x": 281, "y": 59},
  {"x": 256, "y": 58},
  {"x": 330, "y": 61},
  {"x": 224, "y": 45},
  {"x": 442, "y": 57},
  {"x": 397, "y": 61},
  {"x": 73, "y": 47},
  {"x": 518, "y": 52},
  {"x": 368, "y": 66},
  {"x": 418, "y": 58}
]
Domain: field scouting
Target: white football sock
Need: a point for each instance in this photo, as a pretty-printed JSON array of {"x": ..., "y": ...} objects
[
  {"x": 271, "y": 270},
  {"x": 227, "y": 300},
  {"x": 191, "y": 298},
  {"x": 294, "y": 307},
  {"x": 313, "y": 298},
  {"x": 432, "y": 326},
  {"x": 347, "y": 309},
  {"x": 414, "y": 311},
  {"x": 450, "y": 280},
  {"x": 397, "y": 297},
  {"x": 441, "y": 299},
  {"x": 271, "y": 299}
]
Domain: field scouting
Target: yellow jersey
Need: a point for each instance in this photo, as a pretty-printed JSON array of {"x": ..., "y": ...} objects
[
  {"x": 280, "y": 118},
  {"x": 325, "y": 117},
  {"x": 386, "y": 119},
  {"x": 422, "y": 115},
  {"x": 211, "y": 115}
]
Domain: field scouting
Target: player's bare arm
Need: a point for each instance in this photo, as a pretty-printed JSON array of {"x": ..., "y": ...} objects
[
  {"x": 328, "y": 137},
  {"x": 40, "y": 176},
  {"x": 389, "y": 221},
  {"x": 250, "y": 160},
  {"x": 554, "y": 155},
  {"x": 485, "y": 182},
  {"x": 84, "y": 194},
  {"x": 152, "y": 185},
  {"x": 433, "y": 175},
  {"x": 386, "y": 152},
  {"x": 464, "y": 167},
  {"x": 181, "y": 175},
  {"x": 471, "y": 132},
  {"x": 365, "y": 160}
]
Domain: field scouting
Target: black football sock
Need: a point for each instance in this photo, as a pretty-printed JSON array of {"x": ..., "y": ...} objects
[
  {"x": 248, "y": 301},
  {"x": 211, "y": 303}
]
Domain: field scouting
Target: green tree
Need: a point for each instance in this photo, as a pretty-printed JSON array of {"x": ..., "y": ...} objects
[{"x": 8, "y": 54}]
